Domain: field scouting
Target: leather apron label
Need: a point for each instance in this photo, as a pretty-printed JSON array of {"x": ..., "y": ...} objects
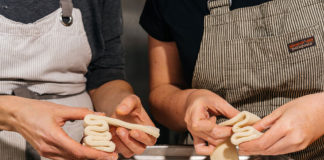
[{"x": 301, "y": 44}]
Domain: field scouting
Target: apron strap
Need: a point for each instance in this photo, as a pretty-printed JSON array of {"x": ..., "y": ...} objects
[
  {"x": 67, "y": 7},
  {"x": 24, "y": 92},
  {"x": 218, "y": 7}
]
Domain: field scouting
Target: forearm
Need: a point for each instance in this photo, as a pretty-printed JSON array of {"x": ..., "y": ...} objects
[
  {"x": 109, "y": 95},
  {"x": 170, "y": 101}
]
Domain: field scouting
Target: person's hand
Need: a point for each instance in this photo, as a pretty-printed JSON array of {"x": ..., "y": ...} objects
[
  {"x": 40, "y": 123},
  {"x": 203, "y": 107},
  {"x": 292, "y": 127},
  {"x": 130, "y": 142}
]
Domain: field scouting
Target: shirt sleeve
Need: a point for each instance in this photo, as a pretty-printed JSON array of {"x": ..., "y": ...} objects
[
  {"x": 108, "y": 65},
  {"x": 153, "y": 22}
]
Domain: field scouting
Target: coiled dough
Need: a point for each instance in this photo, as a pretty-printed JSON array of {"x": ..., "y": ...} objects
[
  {"x": 97, "y": 133},
  {"x": 243, "y": 132}
]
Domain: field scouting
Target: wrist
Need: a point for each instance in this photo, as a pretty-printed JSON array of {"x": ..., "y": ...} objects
[
  {"x": 8, "y": 113},
  {"x": 208, "y": 97},
  {"x": 199, "y": 93},
  {"x": 108, "y": 96}
]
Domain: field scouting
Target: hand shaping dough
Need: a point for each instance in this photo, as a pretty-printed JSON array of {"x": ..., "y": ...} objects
[
  {"x": 97, "y": 133},
  {"x": 243, "y": 132}
]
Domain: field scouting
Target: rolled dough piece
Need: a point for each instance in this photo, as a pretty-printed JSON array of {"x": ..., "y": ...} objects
[
  {"x": 225, "y": 151},
  {"x": 97, "y": 133},
  {"x": 243, "y": 132}
]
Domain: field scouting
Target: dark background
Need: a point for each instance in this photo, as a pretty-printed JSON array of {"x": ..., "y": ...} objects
[{"x": 137, "y": 67}]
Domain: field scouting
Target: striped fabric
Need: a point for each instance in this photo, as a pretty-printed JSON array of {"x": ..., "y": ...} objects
[
  {"x": 245, "y": 58},
  {"x": 16, "y": 149},
  {"x": 45, "y": 56},
  {"x": 48, "y": 58}
]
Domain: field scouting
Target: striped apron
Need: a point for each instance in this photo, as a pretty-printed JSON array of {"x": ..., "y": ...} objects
[
  {"x": 44, "y": 60},
  {"x": 259, "y": 58}
]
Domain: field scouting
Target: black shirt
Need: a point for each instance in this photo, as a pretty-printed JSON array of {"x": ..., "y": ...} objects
[
  {"x": 182, "y": 21},
  {"x": 103, "y": 26}
]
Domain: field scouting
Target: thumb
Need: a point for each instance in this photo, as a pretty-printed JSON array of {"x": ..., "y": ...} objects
[
  {"x": 127, "y": 105},
  {"x": 267, "y": 121}
]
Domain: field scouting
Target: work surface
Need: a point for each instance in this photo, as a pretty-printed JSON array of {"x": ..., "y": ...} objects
[{"x": 185, "y": 153}]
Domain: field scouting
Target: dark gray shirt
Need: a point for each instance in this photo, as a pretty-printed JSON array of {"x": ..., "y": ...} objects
[{"x": 102, "y": 22}]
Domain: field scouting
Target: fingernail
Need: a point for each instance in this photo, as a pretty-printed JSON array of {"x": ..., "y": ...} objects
[
  {"x": 99, "y": 113},
  {"x": 120, "y": 133},
  {"x": 135, "y": 134},
  {"x": 123, "y": 108}
]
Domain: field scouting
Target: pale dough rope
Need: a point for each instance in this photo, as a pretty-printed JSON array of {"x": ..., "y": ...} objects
[
  {"x": 243, "y": 132},
  {"x": 97, "y": 133}
]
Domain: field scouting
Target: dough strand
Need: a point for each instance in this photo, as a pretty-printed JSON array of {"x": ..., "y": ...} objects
[{"x": 97, "y": 133}]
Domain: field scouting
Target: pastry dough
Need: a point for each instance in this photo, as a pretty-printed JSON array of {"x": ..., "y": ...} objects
[
  {"x": 243, "y": 132},
  {"x": 97, "y": 133},
  {"x": 225, "y": 151}
]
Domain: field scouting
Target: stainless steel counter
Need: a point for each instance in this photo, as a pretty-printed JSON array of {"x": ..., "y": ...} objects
[{"x": 185, "y": 153}]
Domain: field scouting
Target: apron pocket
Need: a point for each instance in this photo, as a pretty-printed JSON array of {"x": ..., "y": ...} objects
[{"x": 288, "y": 65}]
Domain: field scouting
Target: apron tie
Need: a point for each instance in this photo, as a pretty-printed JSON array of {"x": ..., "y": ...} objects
[
  {"x": 219, "y": 6},
  {"x": 24, "y": 92},
  {"x": 213, "y": 4},
  {"x": 66, "y": 15}
]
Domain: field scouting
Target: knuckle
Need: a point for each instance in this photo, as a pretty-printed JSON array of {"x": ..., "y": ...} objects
[
  {"x": 209, "y": 140},
  {"x": 46, "y": 138},
  {"x": 45, "y": 151},
  {"x": 85, "y": 109},
  {"x": 195, "y": 126},
  {"x": 298, "y": 138},
  {"x": 78, "y": 155},
  {"x": 49, "y": 138},
  {"x": 289, "y": 127},
  {"x": 286, "y": 129},
  {"x": 218, "y": 142},
  {"x": 198, "y": 150},
  {"x": 219, "y": 133},
  {"x": 302, "y": 146},
  {"x": 261, "y": 146},
  {"x": 186, "y": 119},
  {"x": 140, "y": 150},
  {"x": 127, "y": 155},
  {"x": 152, "y": 143},
  {"x": 201, "y": 151},
  {"x": 270, "y": 152}
]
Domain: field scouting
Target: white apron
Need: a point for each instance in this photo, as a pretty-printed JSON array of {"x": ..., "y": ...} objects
[{"x": 44, "y": 60}]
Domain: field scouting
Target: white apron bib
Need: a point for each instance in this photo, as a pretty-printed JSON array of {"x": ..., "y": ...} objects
[{"x": 47, "y": 60}]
